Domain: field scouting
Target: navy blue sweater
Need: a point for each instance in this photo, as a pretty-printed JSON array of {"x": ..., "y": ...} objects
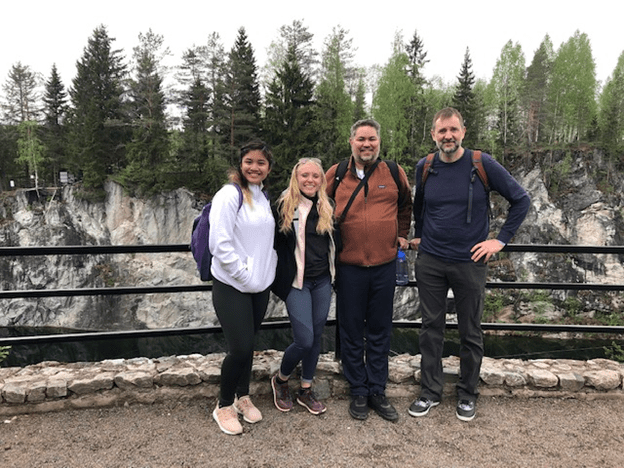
[{"x": 443, "y": 224}]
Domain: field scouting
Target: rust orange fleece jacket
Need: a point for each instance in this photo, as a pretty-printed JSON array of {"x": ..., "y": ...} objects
[{"x": 375, "y": 220}]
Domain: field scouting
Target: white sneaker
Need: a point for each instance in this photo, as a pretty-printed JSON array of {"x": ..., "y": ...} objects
[
  {"x": 227, "y": 419},
  {"x": 250, "y": 413}
]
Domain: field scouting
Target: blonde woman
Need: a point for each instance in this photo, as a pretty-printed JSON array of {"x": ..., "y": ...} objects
[{"x": 305, "y": 273}]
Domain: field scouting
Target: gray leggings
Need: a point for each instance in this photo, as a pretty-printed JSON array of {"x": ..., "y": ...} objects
[{"x": 240, "y": 315}]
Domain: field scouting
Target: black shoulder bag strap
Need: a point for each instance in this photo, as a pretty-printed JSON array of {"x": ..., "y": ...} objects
[{"x": 355, "y": 192}]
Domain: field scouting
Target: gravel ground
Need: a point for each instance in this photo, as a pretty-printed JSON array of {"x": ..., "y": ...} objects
[{"x": 506, "y": 432}]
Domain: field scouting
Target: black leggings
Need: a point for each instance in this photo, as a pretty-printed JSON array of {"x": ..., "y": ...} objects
[{"x": 240, "y": 315}]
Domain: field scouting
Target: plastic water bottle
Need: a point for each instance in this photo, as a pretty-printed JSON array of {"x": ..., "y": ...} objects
[{"x": 402, "y": 274}]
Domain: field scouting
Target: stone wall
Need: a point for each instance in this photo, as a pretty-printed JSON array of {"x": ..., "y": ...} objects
[{"x": 54, "y": 386}]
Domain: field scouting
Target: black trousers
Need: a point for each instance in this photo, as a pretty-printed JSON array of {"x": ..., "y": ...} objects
[
  {"x": 364, "y": 304},
  {"x": 240, "y": 315},
  {"x": 467, "y": 281}
]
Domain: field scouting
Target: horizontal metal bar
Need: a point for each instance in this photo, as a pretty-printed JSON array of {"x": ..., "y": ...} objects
[
  {"x": 159, "y": 248},
  {"x": 528, "y": 327},
  {"x": 558, "y": 286},
  {"x": 281, "y": 324},
  {"x": 92, "y": 249},
  {"x": 38, "y": 293},
  {"x": 31, "y": 293},
  {"x": 127, "y": 334},
  {"x": 546, "y": 248},
  {"x": 126, "y": 249},
  {"x": 553, "y": 286}
]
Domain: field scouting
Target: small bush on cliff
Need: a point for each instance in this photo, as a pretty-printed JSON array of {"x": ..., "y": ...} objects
[
  {"x": 494, "y": 303},
  {"x": 614, "y": 352},
  {"x": 4, "y": 352}
]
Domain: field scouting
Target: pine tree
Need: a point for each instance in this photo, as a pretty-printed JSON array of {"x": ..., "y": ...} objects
[
  {"x": 464, "y": 98},
  {"x": 54, "y": 134},
  {"x": 479, "y": 131},
  {"x": 535, "y": 91},
  {"x": 9, "y": 170},
  {"x": 242, "y": 95},
  {"x": 148, "y": 149},
  {"x": 215, "y": 78},
  {"x": 293, "y": 35},
  {"x": 359, "y": 101},
  {"x": 55, "y": 99},
  {"x": 202, "y": 149},
  {"x": 417, "y": 110},
  {"x": 334, "y": 109},
  {"x": 21, "y": 101},
  {"x": 98, "y": 124},
  {"x": 196, "y": 143},
  {"x": 391, "y": 106},
  {"x": 289, "y": 111}
]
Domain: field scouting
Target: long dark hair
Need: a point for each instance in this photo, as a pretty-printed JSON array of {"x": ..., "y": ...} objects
[{"x": 235, "y": 174}]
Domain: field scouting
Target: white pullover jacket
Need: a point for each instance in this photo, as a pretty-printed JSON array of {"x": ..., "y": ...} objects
[{"x": 241, "y": 241}]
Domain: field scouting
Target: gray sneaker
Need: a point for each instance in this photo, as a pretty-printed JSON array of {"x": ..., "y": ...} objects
[
  {"x": 466, "y": 410},
  {"x": 421, "y": 407}
]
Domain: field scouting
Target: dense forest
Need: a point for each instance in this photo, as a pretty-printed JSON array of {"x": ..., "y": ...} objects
[{"x": 152, "y": 127}]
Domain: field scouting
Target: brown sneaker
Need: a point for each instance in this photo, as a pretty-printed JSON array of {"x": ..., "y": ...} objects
[
  {"x": 308, "y": 400},
  {"x": 281, "y": 395},
  {"x": 227, "y": 419},
  {"x": 244, "y": 406}
]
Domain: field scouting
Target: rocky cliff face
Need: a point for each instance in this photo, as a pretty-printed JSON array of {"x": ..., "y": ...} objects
[
  {"x": 579, "y": 214},
  {"x": 58, "y": 218}
]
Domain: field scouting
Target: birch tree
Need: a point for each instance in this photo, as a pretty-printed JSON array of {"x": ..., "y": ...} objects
[
  {"x": 572, "y": 91},
  {"x": 611, "y": 117},
  {"x": 507, "y": 80}
]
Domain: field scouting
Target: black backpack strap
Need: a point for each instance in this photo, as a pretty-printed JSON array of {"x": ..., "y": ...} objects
[
  {"x": 394, "y": 170},
  {"x": 419, "y": 197},
  {"x": 341, "y": 170},
  {"x": 363, "y": 182}
]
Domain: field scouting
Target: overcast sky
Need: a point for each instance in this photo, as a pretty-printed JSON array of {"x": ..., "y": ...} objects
[{"x": 39, "y": 33}]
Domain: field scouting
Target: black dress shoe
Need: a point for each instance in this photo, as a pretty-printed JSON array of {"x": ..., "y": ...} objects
[
  {"x": 358, "y": 409},
  {"x": 383, "y": 408}
]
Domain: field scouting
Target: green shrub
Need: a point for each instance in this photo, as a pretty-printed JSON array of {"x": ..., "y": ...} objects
[
  {"x": 615, "y": 352},
  {"x": 4, "y": 352},
  {"x": 493, "y": 304}
]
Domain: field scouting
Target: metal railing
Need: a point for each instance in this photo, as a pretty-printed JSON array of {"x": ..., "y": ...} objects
[{"x": 126, "y": 249}]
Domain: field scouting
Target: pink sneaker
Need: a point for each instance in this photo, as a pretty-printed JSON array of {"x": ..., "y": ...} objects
[
  {"x": 250, "y": 413},
  {"x": 227, "y": 419}
]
